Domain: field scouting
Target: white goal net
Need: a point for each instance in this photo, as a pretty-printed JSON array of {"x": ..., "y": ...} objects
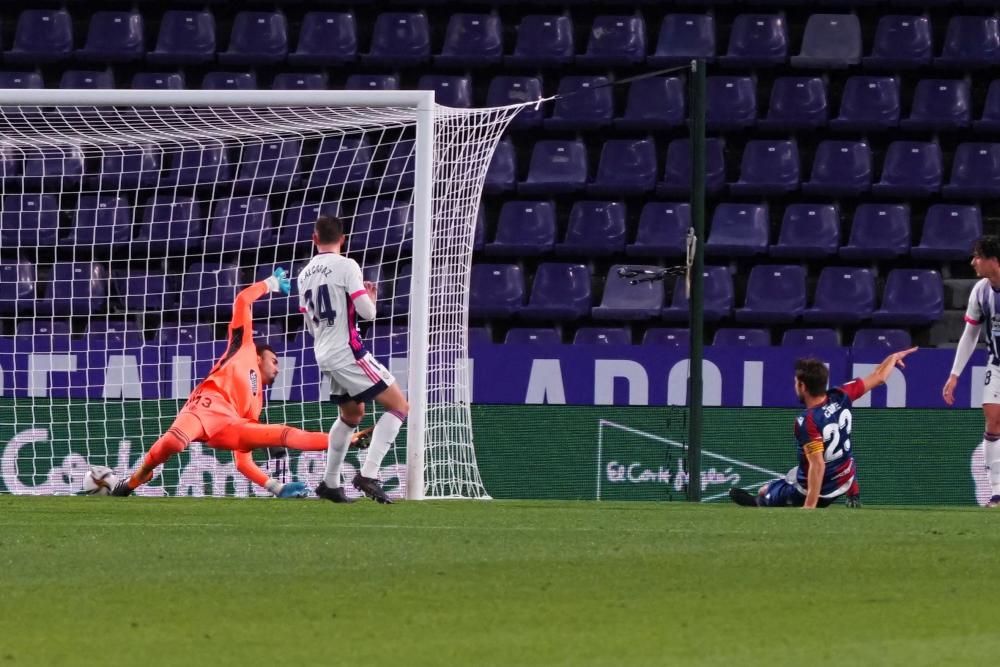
[{"x": 130, "y": 220}]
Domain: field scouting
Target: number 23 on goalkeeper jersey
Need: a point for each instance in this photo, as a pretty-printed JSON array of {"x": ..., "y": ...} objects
[
  {"x": 827, "y": 428},
  {"x": 327, "y": 289}
]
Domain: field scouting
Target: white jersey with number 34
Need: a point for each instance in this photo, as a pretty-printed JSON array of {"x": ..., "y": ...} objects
[{"x": 328, "y": 287}]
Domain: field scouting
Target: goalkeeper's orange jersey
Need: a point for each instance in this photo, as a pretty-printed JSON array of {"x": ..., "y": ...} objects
[{"x": 236, "y": 375}]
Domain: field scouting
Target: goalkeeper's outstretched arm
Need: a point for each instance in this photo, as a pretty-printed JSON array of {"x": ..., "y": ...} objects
[{"x": 243, "y": 306}]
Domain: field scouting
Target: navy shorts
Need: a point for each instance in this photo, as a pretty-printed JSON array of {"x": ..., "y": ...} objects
[{"x": 780, "y": 493}]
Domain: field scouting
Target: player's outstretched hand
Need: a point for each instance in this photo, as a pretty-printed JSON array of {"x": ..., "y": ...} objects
[
  {"x": 279, "y": 281},
  {"x": 896, "y": 358},
  {"x": 294, "y": 490},
  {"x": 948, "y": 393},
  {"x": 371, "y": 288}
]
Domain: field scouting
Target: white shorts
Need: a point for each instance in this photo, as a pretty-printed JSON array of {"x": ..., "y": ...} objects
[
  {"x": 362, "y": 381},
  {"x": 991, "y": 385}
]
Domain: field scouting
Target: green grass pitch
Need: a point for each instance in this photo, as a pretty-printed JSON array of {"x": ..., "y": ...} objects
[{"x": 146, "y": 582}]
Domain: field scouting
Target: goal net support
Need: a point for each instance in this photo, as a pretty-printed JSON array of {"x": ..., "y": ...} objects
[{"x": 130, "y": 220}]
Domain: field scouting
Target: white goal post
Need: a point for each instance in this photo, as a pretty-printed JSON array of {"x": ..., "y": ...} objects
[{"x": 247, "y": 168}]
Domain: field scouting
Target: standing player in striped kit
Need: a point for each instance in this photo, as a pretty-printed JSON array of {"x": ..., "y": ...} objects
[
  {"x": 332, "y": 295},
  {"x": 983, "y": 310}
]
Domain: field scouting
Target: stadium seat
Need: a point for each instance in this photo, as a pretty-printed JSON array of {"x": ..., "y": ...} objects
[
  {"x": 41, "y": 36},
  {"x": 495, "y": 290},
  {"x": 237, "y": 223},
  {"x": 229, "y": 81},
  {"x": 209, "y": 290},
  {"x": 990, "y": 120},
  {"x": 796, "y": 102},
  {"x": 257, "y": 38},
  {"x": 21, "y": 80},
  {"x": 901, "y": 42},
  {"x": 502, "y": 173},
  {"x": 731, "y": 102},
  {"x": 479, "y": 235},
  {"x": 602, "y": 336},
  {"x": 532, "y": 336},
  {"x": 840, "y": 168},
  {"x": 890, "y": 340},
  {"x": 100, "y": 222},
  {"x": 342, "y": 163},
  {"x": 449, "y": 91},
  {"x": 525, "y": 228},
  {"x": 738, "y": 230},
  {"x": 398, "y": 162},
  {"x": 372, "y": 82},
  {"x": 662, "y": 232},
  {"x": 940, "y": 104},
  {"x": 830, "y": 41},
  {"x": 146, "y": 292},
  {"x": 300, "y": 81},
  {"x": 472, "y": 40},
  {"x": 586, "y": 103},
  {"x": 559, "y": 292},
  {"x": 557, "y": 166},
  {"x": 717, "y": 297},
  {"x": 911, "y": 169},
  {"x": 948, "y": 233},
  {"x": 775, "y": 294},
  {"x": 504, "y": 90},
  {"x": 299, "y": 221},
  {"x": 735, "y": 337},
  {"x": 31, "y": 219},
  {"x": 477, "y": 336},
  {"x": 271, "y": 166},
  {"x": 808, "y": 231},
  {"x": 384, "y": 224},
  {"x": 879, "y": 231},
  {"x": 158, "y": 81},
  {"x": 911, "y": 297},
  {"x": 73, "y": 78},
  {"x": 208, "y": 165},
  {"x": 975, "y": 171},
  {"x": 18, "y": 289},
  {"x": 169, "y": 223},
  {"x": 113, "y": 37},
  {"x": 623, "y": 301},
  {"x": 655, "y": 103},
  {"x": 757, "y": 40},
  {"x": 810, "y": 338},
  {"x": 627, "y": 167},
  {"x": 392, "y": 341},
  {"x": 684, "y": 37},
  {"x": 543, "y": 40},
  {"x": 183, "y": 335},
  {"x": 615, "y": 41},
  {"x": 77, "y": 288},
  {"x": 677, "y": 168},
  {"x": 768, "y": 167},
  {"x": 667, "y": 337},
  {"x": 51, "y": 167},
  {"x": 844, "y": 295},
  {"x": 186, "y": 37},
  {"x": 595, "y": 229},
  {"x": 326, "y": 38},
  {"x": 868, "y": 103},
  {"x": 43, "y": 335},
  {"x": 970, "y": 42},
  {"x": 400, "y": 39}
]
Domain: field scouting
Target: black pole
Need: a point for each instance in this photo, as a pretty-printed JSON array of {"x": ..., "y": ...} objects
[{"x": 694, "y": 394}]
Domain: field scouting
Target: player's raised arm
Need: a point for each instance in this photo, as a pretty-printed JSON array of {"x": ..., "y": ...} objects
[
  {"x": 881, "y": 373},
  {"x": 243, "y": 306}
]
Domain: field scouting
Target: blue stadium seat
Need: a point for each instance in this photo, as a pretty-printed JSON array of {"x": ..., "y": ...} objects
[
  {"x": 533, "y": 336},
  {"x": 479, "y": 235},
  {"x": 398, "y": 163},
  {"x": 77, "y": 288},
  {"x": 623, "y": 301},
  {"x": 299, "y": 221},
  {"x": 100, "y": 222},
  {"x": 911, "y": 297},
  {"x": 113, "y": 37},
  {"x": 495, "y": 290},
  {"x": 559, "y": 292},
  {"x": 626, "y": 167},
  {"x": 525, "y": 228},
  {"x": 775, "y": 294},
  {"x": 477, "y": 336},
  {"x": 940, "y": 104},
  {"x": 74, "y": 78},
  {"x": 717, "y": 297},
  {"x": 663, "y": 228},
  {"x": 472, "y": 40},
  {"x": 38, "y": 335},
  {"x": 949, "y": 232},
  {"x": 677, "y": 167},
  {"x": 588, "y": 104},
  {"x": 41, "y": 36},
  {"x": 257, "y": 38},
  {"x": 449, "y": 91},
  {"x": 169, "y": 223},
  {"x": 229, "y": 81},
  {"x": 30, "y": 220},
  {"x": 768, "y": 167},
  {"x": 888, "y": 340},
  {"x": 557, "y": 166},
  {"x": 186, "y": 37},
  {"x": 595, "y": 229},
  {"x": 879, "y": 231},
  {"x": 971, "y": 42},
  {"x": 810, "y": 338},
  {"x": 18, "y": 289},
  {"x": 504, "y": 90},
  {"x": 684, "y": 37},
  {"x": 271, "y": 166},
  {"x": 840, "y": 168},
  {"x": 990, "y": 120},
  {"x": 830, "y": 41},
  {"x": 808, "y": 231},
  {"x": 502, "y": 173},
  {"x": 326, "y": 38},
  {"x": 342, "y": 162},
  {"x": 158, "y": 81},
  {"x": 208, "y": 291},
  {"x": 152, "y": 292},
  {"x": 901, "y": 42},
  {"x": 911, "y": 169},
  {"x": 52, "y": 167},
  {"x": 844, "y": 295},
  {"x": 239, "y": 223},
  {"x": 385, "y": 224},
  {"x": 372, "y": 82},
  {"x": 208, "y": 165},
  {"x": 796, "y": 102},
  {"x": 975, "y": 171},
  {"x": 543, "y": 40},
  {"x": 602, "y": 336},
  {"x": 731, "y": 103},
  {"x": 738, "y": 230},
  {"x": 868, "y": 103},
  {"x": 616, "y": 41},
  {"x": 735, "y": 337},
  {"x": 757, "y": 40},
  {"x": 21, "y": 80},
  {"x": 655, "y": 103},
  {"x": 400, "y": 39},
  {"x": 668, "y": 337},
  {"x": 300, "y": 81}
]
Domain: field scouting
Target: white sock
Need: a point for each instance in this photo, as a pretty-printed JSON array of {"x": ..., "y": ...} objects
[
  {"x": 386, "y": 429},
  {"x": 340, "y": 440},
  {"x": 274, "y": 486},
  {"x": 992, "y": 451}
]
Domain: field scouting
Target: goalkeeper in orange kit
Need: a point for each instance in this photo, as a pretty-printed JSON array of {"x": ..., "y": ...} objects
[{"x": 223, "y": 411}]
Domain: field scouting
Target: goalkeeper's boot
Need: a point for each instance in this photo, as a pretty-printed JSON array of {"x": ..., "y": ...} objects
[
  {"x": 294, "y": 490},
  {"x": 993, "y": 502},
  {"x": 122, "y": 489},
  {"x": 742, "y": 497},
  {"x": 854, "y": 502},
  {"x": 362, "y": 439},
  {"x": 336, "y": 495},
  {"x": 371, "y": 488}
]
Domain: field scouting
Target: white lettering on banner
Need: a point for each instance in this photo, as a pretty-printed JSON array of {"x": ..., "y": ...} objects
[
  {"x": 895, "y": 387},
  {"x": 39, "y": 367},
  {"x": 281, "y": 390},
  {"x": 978, "y": 380},
  {"x": 637, "y": 473},
  {"x": 753, "y": 383},
  {"x": 606, "y": 371},
  {"x": 545, "y": 384},
  {"x": 180, "y": 377},
  {"x": 677, "y": 382},
  {"x": 121, "y": 377}
]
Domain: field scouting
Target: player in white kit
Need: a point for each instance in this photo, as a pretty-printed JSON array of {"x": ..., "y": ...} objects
[
  {"x": 332, "y": 296},
  {"x": 982, "y": 314}
]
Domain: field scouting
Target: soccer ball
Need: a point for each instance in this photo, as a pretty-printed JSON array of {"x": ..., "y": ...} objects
[{"x": 99, "y": 481}]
